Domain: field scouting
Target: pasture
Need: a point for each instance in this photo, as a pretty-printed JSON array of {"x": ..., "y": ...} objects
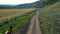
[{"x": 9, "y": 13}]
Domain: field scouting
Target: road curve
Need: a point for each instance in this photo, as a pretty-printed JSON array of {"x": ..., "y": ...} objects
[{"x": 34, "y": 27}]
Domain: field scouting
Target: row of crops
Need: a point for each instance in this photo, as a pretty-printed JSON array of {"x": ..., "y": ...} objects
[{"x": 17, "y": 21}]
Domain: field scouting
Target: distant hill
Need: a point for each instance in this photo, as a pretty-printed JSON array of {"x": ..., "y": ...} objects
[
  {"x": 37, "y": 4},
  {"x": 5, "y": 6},
  {"x": 30, "y": 5}
]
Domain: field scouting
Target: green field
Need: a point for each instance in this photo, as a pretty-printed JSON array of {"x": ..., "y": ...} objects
[
  {"x": 17, "y": 18},
  {"x": 50, "y": 19}
]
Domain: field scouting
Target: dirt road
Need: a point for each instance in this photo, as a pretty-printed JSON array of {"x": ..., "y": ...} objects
[{"x": 34, "y": 26}]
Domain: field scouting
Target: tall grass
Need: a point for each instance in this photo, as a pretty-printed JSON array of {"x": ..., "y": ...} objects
[{"x": 50, "y": 19}]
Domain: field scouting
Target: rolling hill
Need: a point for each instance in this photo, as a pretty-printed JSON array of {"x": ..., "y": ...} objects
[
  {"x": 37, "y": 4},
  {"x": 30, "y": 5}
]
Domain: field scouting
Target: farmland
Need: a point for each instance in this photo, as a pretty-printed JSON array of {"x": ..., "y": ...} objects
[
  {"x": 15, "y": 17},
  {"x": 50, "y": 19}
]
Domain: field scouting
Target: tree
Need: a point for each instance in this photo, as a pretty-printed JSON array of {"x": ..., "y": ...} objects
[{"x": 51, "y": 1}]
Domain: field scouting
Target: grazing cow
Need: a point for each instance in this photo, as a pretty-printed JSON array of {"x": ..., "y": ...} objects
[{"x": 9, "y": 31}]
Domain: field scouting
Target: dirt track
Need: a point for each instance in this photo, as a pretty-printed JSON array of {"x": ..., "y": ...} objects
[{"x": 33, "y": 28}]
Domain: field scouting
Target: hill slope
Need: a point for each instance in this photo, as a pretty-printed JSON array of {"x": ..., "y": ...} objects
[
  {"x": 36, "y": 4},
  {"x": 50, "y": 19},
  {"x": 30, "y": 5}
]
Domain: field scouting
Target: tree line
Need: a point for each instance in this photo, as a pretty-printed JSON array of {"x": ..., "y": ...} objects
[{"x": 48, "y": 2}]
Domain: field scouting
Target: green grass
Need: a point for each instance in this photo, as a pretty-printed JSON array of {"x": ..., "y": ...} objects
[
  {"x": 50, "y": 19},
  {"x": 21, "y": 20}
]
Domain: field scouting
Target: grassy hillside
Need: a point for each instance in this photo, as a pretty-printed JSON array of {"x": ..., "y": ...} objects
[{"x": 50, "y": 19}]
